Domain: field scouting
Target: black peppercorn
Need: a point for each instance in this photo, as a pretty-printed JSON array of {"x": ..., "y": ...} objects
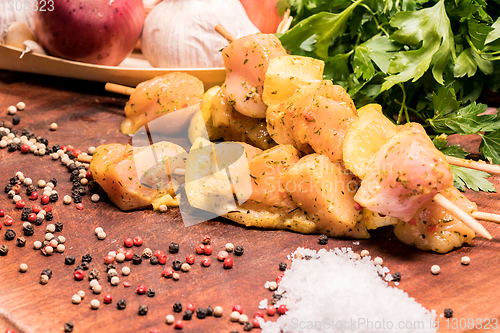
[
  {"x": 136, "y": 259},
  {"x": 16, "y": 120},
  {"x": 153, "y": 260},
  {"x": 21, "y": 242},
  {"x": 11, "y": 147},
  {"x": 26, "y": 212},
  {"x": 42, "y": 140},
  {"x": 448, "y": 313},
  {"x": 72, "y": 167},
  {"x": 82, "y": 191},
  {"x": 8, "y": 187},
  {"x": 110, "y": 266},
  {"x": 85, "y": 265},
  {"x": 323, "y": 239},
  {"x": 247, "y": 326},
  {"x": 276, "y": 298},
  {"x": 69, "y": 260},
  {"x": 38, "y": 221},
  {"x": 30, "y": 189},
  {"x": 79, "y": 267},
  {"x": 209, "y": 310},
  {"x": 238, "y": 250},
  {"x": 49, "y": 216},
  {"x": 396, "y": 277},
  {"x": 28, "y": 230},
  {"x": 59, "y": 226},
  {"x": 13, "y": 180},
  {"x": 111, "y": 275},
  {"x": 187, "y": 315},
  {"x": 94, "y": 274},
  {"x": 201, "y": 313},
  {"x": 143, "y": 310},
  {"x": 53, "y": 197},
  {"x": 53, "y": 180},
  {"x": 47, "y": 272},
  {"x": 282, "y": 266},
  {"x": 151, "y": 292},
  {"x": 173, "y": 247},
  {"x": 177, "y": 307},
  {"x": 68, "y": 327},
  {"x": 176, "y": 265},
  {"x": 4, "y": 249},
  {"x": 10, "y": 234},
  {"x": 93, "y": 186},
  {"x": 77, "y": 198},
  {"x": 121, "y": 304},
  {"x": 87, "y": 258}
]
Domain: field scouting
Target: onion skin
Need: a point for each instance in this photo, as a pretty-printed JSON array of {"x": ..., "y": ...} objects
[{"x": 101, "y": 32}]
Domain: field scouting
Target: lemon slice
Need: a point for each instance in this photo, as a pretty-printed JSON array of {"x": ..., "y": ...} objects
[
  {"x": 286, "y": 74},
  {"x": 364, "y": 138},
  {"x": 201, "y": 124}
]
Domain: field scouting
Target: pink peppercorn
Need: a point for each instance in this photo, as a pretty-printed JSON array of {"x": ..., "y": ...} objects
[
  {"x": 228, "y": 263},
  {"x": 47, "y": 208},
  {"x": 128, "y": 242},
  {"x": 109, "y": 259},
  {"x": 32, "y": 217},
  {"x": 199, "y": 249},
  {"x": 162, "y": 260},
  {"x": 36, "y": 209},
  {"x": 179, "y": 325},
  {"x": 25, "y": 149},
  {"x": 89, "y": 176},
  {"x": 271, "y": 310},
  {"x": 141, "y": 289},
  {"x": 206, "y": 240},
  {"x": 45, "y": 199},
  {"x": 33, "y": 195},
  {"x": 258, "y": 314},
  {"x": 121, "y": 250},
  {"x": 129, "y": 255},
  {"x": 10, "y": 331},
  {"x": 154, "y": 330},
  {"x": 238, "y": 308},
  {"x": 108, "y": 299},
  {"x": 138, "y": 241},
  {"x": 79, "y": 275},
  {"x": 69, "y": 148},
  {"x": 191, "y": 307},
  {"x": 282, "y": 309},
  {"x": 79, "y": 206},
  {"x": 2, "y": 213},
  {"x": 190, "y": 259},
  {"x": 279, "y": 278},
  {"x": 206, "y": 261},
  {"x": 222, "y": 255},
  {"x": 357, "y": 206},
  {"x": 167, "y": 272},
  {"x": 76, "y": 152},
  {"x": 255, "y": 323},
  {"x": 16, "y": 189},
  {"x": 8, "y": 220},
  {"x": 126, "y": 284},
  {"x": 158, "y": 253},
  {"x": 20, "y": 204},
  {"x": 208, "y": 250}
]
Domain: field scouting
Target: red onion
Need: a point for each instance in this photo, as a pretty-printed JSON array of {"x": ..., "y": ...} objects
[{"x": 100, "y": 32}]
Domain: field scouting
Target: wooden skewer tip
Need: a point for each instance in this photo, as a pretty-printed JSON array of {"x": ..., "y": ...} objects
[
  {"x": 224, "y": 33},
  {"x": 119, "y": 89}
]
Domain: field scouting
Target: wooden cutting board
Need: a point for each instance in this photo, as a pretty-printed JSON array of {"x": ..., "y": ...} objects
[{"x": 88, "y": 116}]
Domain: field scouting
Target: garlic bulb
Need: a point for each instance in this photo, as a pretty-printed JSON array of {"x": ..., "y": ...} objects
[
  {"x": 180, "y": 33},
  {"x": 9, "y": 14}
]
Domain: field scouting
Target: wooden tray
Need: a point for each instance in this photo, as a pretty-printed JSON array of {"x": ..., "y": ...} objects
[{"x": 130, "y": 72}]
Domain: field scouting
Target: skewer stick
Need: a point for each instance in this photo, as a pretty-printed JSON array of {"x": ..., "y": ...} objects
[
  {"x": 463, "y": 216},
  {"x": 119, "y": 89},
  {"x": 487, "y": 217},
  {"x": 224, "y": 33},
  {"x": 490, "y": 168}
]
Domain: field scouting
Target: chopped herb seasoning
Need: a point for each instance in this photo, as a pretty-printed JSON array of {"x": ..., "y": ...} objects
[
  {"x": 323, "y": 239},
  {"x": 238, "y": 250}
]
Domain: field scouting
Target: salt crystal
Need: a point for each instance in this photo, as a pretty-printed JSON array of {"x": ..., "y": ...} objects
[
  {"x": 333, "y": 291},
  {"x": 355, "y": 243},
  {"x": 263, "y": 304}
]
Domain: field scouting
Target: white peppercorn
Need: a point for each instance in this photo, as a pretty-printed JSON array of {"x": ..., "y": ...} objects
[
  {"x": 218, "y": 311},
  {"x": 50, "y": 228},
  {"x": 20, "y": 106},
  {"x": 176, "y": 276},
  {"x": 98, "y": 230},
  {"x": 16, "y": 198},
  {"x": 185, "y": 267},
  {"x": 115, "y": 280},
  {"x": 97, "y": 289},
  {"x": 61, "y": 248},
  {"x": 91, "y": 150},
  {"x": 12, "y": 110},
  {"x": 465, "y": 260},
  {"x": 62, "y": 239},
  {"x": 229, "y": 247},
  {"x": 170, "y": 319},
  {"x": 272, "y": 285},
  {"x": 41, "y": 183},
  {"x": 365, "y": 253},
  {"x": 81, "y": 293},
  {"x": 76, "y": 299},
  {"x": 378, "y": 261},
  {"x": 120, "y": 257},
  {"x": 53, "y": 243},
  {"x": 53, "y": 126},
  {"x": 101, "y": 235},
  {"x": 163, "y": 209},
  {"x": 95, "y": 197},
  {"x": 94, "y": 304},
  {"x": 125, "y": 270},
  {"x": 27, "y": 181},
  {"x": 93, "y": 283},
  {"x": 23, "y": 268},
  {"x": 234, "y": 316},
  {"x": 435, "y": 269},
  {"x": 54, "y": 156},
  {"x": 243, "y": 318},
  {"x": 44, "y": 279},
  {"x": 37, "y": 245},
  {"x": 49, "y": 236}
]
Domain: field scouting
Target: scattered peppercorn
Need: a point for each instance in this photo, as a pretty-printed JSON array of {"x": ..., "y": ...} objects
[
  {"x": 323, "y": 239},
  {"x": 228, "y": 263},
  {"x": 190, "y": 259},
  {"x": 21, "y": 242},
  {"x": 68, "y": 327},
  {"x": 201, "y": 313},
  {"x": 136, "y": 260},
  {"x": 143, "y": 310},
  {"x": 247, "y": 326},
  {"x": 176, "y": 265},
  {"x": 79, "y": 275},
  {"x": 396, "y": 277},
  {"x": 173, "y": 247},
  {"x": 59, "y": 226},
  {"x": 209, "y": 310},
  {"x": 448, "y": 313},
  {"x": 435, "y": 269},
  {"x": 153, "y": 260},
  {"x": 69, "y": 260},
  {"x": 85, "y": 265},
  {"x": 4, "y": 249},
  {"x": 238, "y": 250},
  {"x": 10, "y": 234},
  {"x": 206, "y": 261},
  {"x": 94, "y": 274},
  {"x": 44, "y": 279},
  {"x": 28, "y": 230},
  {"x": 282, "y": 266},
  {"x": 187, "y": 315},
  {"x": 141, "y": 289},
  {"x": 178, "y": 325},
  {"x": 207, "y": 249},
  {"x": 87, "y": 258},
  {"x": 177, "y": 307},
  {"x": 121, "y": 304},
  {"x": 151, "y": 292},
  {"x": 49, "y": 216},
  {"x": 206, "y": 239}
]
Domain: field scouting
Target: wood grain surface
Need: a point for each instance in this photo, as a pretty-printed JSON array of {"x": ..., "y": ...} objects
[{"x": 88, "y": 116}]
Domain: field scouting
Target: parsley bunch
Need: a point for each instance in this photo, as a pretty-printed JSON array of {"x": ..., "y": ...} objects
[{"x": 431, "y": 61}]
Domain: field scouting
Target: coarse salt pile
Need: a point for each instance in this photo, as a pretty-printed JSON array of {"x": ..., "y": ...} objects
[{"x": 333, "y": 291}]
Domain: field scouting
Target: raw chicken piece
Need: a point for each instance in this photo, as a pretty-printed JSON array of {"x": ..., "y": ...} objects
[
  {"x": 433, "y": 228},
  {"x": 132, "y": 178},
  {"x": 246, "y": 60},
  {"x": 314, "y": 119},
  {"x": 405, "y": 173},
  {"x": 161, "y": 95},
  {"x": 325, "y": 192},
  {"x": 237, "y": 127}
]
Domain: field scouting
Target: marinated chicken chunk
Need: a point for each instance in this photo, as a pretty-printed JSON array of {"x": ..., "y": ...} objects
[
  {"x": 434, "y": 229},
  {"x": 405, "y": 173},
  {"x": 135, "y": 178},
  {"x": 314, "y": 119},
  {"x": 246, "y": 61},
  {"x": 159, "y": 96}
]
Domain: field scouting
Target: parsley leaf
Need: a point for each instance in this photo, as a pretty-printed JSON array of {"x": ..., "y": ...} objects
[
  {"x": 472, "y": 179},
  {"x": 490, "y": 146}
]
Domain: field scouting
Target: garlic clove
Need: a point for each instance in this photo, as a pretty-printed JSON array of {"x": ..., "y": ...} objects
[{"x": 16, "y": 33}]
